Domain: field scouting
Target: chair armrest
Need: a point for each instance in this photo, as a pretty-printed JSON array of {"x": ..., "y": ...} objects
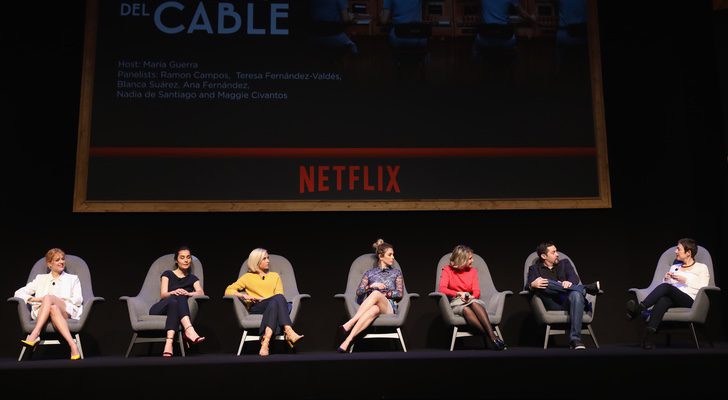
[
  {"x": 204, "y": 297},
  {"x": 301, "y": 296},
  {"x": 524, "y": 292},
  {"x": 442, "y": 302},
  {"x": 710, "y": 288},
  {"x": 22, "y": 307},
  {"x": 240, "y": 310},
  {"x": 87, "y": 306},
  {"x": 134, "y": 305},
  {"x": 507, "y": 292},
  {"x": 404, "y": 303},
  {"x": 349, "y": 303},
  {"x": 296, "y": 302}
]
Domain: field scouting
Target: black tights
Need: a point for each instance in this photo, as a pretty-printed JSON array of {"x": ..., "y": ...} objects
[{"x": 477, "y": 317}]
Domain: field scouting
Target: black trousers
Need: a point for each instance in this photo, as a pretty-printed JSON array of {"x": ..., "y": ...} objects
[
  {"x": 663, "y": 297},
  {"x": 275, "y": 313},
  {"x": 175, "y": 307}
]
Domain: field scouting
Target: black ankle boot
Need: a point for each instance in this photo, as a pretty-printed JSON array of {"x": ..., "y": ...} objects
[{"x": 634, "y": 309}]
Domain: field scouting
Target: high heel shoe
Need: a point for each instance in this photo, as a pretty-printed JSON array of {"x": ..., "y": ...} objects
[
  {"x": 291, "y": 336},
  {"x": 341, "y": 333},
  {"x": 198, "y": 339},
  {"x": 76, "y": 357},
  {"x": 168, "y": 353},
  {"x": 343, "y": 350},
  {"x": 30, "y": 344},
  {"x": 264, "y": 350}
]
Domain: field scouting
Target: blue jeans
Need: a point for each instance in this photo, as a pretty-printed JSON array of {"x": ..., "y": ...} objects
[{"x": 573, "y": 300}]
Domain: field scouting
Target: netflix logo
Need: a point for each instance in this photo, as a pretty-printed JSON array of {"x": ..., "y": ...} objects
[{"x": 351, "y": 178}]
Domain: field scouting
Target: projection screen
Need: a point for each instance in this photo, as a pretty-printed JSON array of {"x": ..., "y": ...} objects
[{"x": 328, "y": 105}]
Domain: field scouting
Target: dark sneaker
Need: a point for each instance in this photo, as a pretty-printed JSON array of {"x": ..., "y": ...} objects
[
  {"x": 647, "y": 340},
  {"x": 499, "y": 344},
  {"x": 577, "y": 345},
  {"x": 592, "y": 288},
  {"x": 634, "y": 309}
]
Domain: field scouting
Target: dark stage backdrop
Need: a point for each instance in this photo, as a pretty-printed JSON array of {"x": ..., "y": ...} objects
[
  {"x": 667, "y": 169},
  {"x": 251, "y": 104}
]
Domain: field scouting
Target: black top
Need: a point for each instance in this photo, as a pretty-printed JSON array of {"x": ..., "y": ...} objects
[
  {"x": 187, "y": 283},
  {"x": 562, "y": 271}
]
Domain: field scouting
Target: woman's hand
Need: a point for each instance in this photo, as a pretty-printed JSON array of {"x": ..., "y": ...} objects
[
  {"x": 247, "y": 297},
  {"x": 180, "y": 292},
  {"x": 377, "y": 286},
  {"x": 677, "y": 277}
]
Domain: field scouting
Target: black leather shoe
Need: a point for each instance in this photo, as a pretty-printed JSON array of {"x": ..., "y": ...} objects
[
  {"x": 634, "y": 309},
  {"x": 592, "y": 288}
]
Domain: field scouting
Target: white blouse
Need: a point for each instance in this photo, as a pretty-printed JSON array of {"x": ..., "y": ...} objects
[
  {"x": 696, "y": 277},
  {"x": 67, "y": 287}
]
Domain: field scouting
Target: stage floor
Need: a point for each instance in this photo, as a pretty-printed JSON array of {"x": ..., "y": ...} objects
[{"x": 626, "y": 371}]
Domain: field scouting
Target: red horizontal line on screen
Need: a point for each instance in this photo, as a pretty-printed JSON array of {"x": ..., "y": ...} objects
[{"x": 340, "y": 152}]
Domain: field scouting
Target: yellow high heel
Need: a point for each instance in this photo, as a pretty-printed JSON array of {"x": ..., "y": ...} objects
[
  {"x": 76, "y": 357},
  {"x": 30, "y": 344}
]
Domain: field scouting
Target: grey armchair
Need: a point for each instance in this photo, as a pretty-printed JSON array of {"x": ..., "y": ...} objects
[
  {"x": 494, "y": 299},
  {"x": 698, "y": 313},
  {"x": 251, "y": 322},
  {"x": 76, "y": 266},
  {"x": 557, "y": 321},
  {"x": 150, "y": 328},
  {"x": 388, "y": 322}
]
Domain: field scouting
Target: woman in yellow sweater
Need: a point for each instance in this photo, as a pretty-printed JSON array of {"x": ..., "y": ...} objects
[{"x": 262, "y": 293}]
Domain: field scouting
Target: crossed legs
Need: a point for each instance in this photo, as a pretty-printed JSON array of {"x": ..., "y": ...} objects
[
  {"x": 477, "y": 317},
  {"x": 374, "y": 305},
  {"x": 53, "y": 308}
]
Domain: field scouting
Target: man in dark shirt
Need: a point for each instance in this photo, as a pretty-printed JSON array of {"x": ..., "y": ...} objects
[{"x": 556, "y": 283}]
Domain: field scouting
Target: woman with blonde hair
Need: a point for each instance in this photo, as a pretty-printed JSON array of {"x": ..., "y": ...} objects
[
  {"x": 262, "y": 293},
  {"x": 56, "y": 296},
  {"x": 459, "y": 282},
  {"x": 380, "y": 288}
]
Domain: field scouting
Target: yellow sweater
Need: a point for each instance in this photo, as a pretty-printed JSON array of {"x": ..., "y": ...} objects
[{"x": 262, "y": 286}]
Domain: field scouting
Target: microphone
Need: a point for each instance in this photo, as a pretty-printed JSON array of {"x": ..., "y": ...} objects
[
  {"x": 54, "y": 284},
  {"x": 263, "y": 277}
]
